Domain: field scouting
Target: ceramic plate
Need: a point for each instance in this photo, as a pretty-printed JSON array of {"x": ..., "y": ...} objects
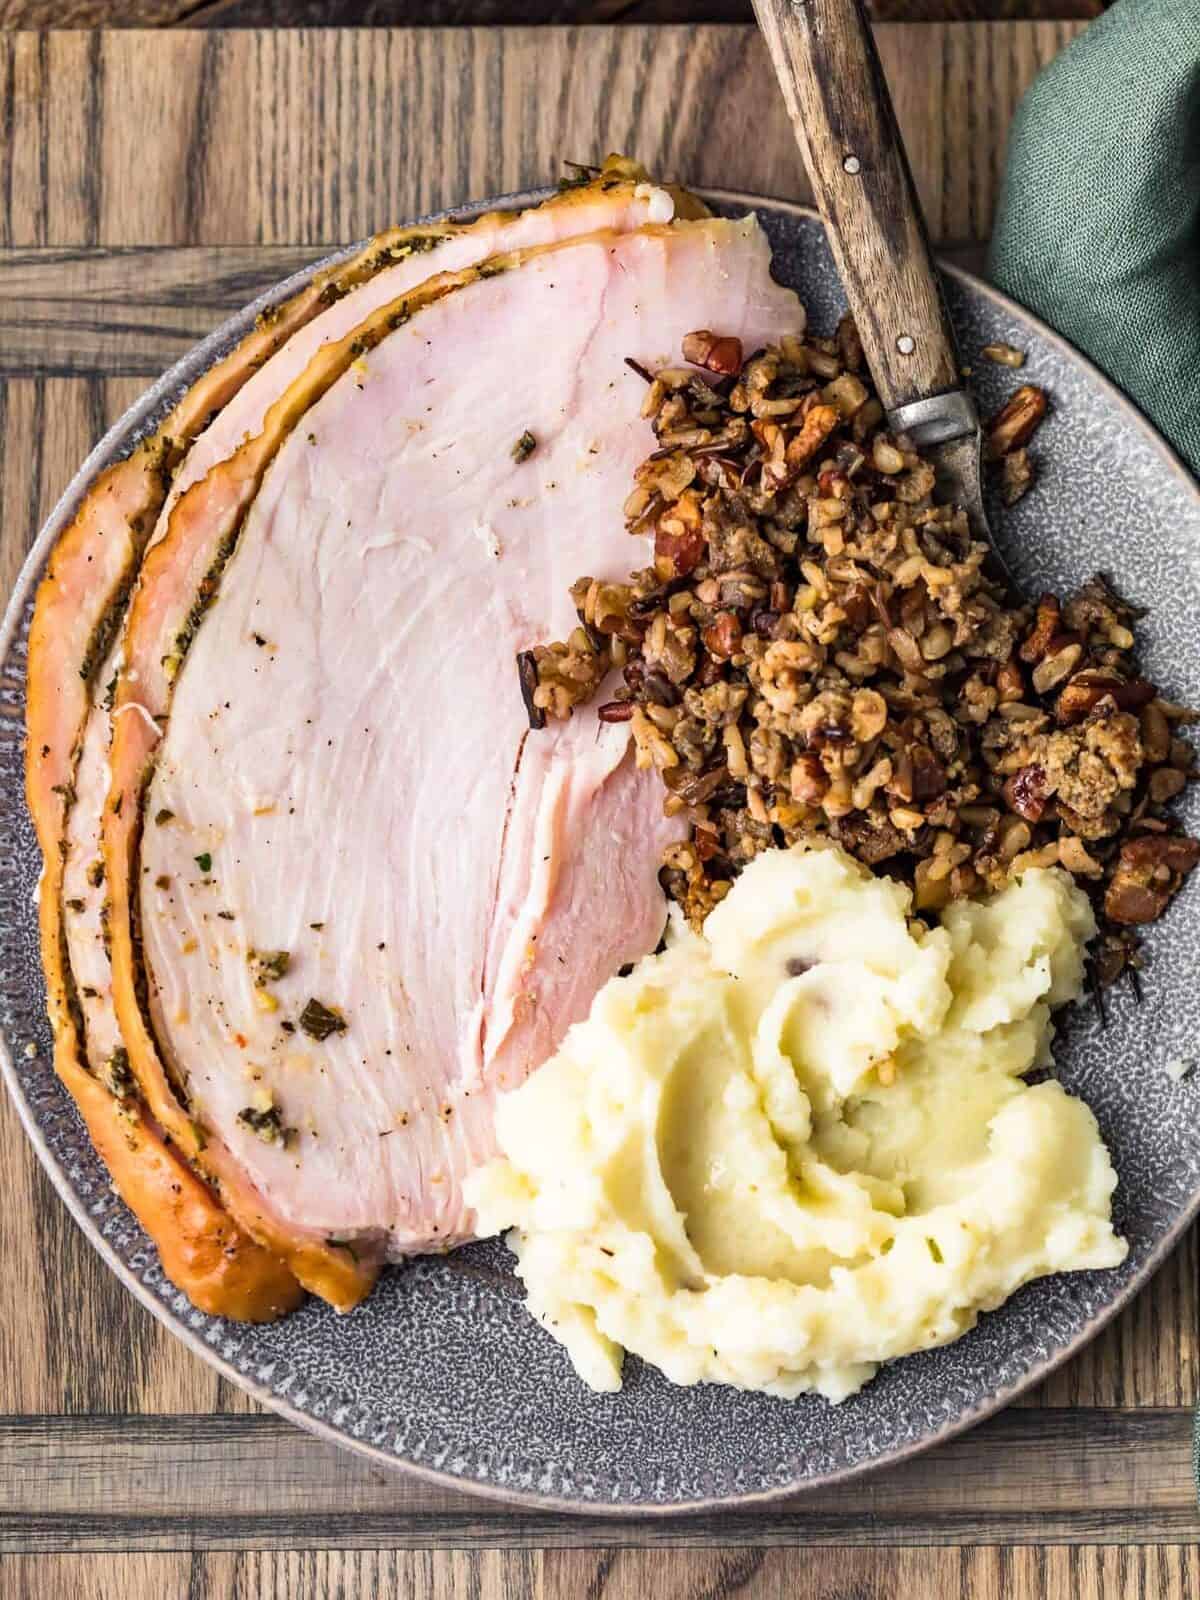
[{"x": 442, "y": 1371}]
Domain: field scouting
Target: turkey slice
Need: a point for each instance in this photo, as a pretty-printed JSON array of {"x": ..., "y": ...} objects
[{"x": 347, "y": 782}]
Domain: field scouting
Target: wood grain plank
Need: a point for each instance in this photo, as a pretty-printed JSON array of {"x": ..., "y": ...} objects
[
  {"x": 70, "y": 313},
  {"x": 276, "y": 1575},
  {"x": 489, "y": 13},
  {"x": 254, "y": 1482},
  {"x": 133, "y": 1577},
  {"x": 1164, "y": 1572},
  {"x": 389, "y": 123}
]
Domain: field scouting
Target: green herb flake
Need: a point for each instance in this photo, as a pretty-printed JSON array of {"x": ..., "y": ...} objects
[
  {"x": 117, "y": 1075},
  {"x": 204, "y": 861},
  {"x": 319, "y": 1021},
  {"x": 524, "y": 447},
  {"x": 578, "y": 180},
  {"x": 268, "y": 965},
  {"x": 267, "y": 1125},
  {"x": 935, "y": 1250}
]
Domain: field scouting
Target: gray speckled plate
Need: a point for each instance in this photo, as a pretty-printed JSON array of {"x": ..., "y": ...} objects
[{"x": 442, "y": 1371}]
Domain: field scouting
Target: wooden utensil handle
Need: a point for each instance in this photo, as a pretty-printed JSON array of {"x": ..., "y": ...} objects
[{"x": 840, "y": 107}]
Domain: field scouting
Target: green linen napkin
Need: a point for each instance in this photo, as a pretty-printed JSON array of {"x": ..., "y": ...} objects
[{"x": 1098, "y": 229}]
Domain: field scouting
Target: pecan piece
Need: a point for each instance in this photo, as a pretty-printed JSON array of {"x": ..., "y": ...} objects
[
  {"x": 1156, "y": 734},
  {"x": 679, "y": 543},
  {"x": 1010, "y": 681},
  {"x": 808, "y": 780},
  {"x": 706, "y": 841},
  {"x": 1057, "y": 664},
  {"x": 1013, "y": 425},
  {"x": 1086, "y": 690},
  {"x": 928, "y": 774},
  {"x": 1016, "y": 476},
  {"x": 818, "y": 424},
  {"x": 1178, "y": 852},
  {"x": 1165, "y": 784},
  {"x": 1004, "y": 355},
  {"x": 1047, "y": 623},
  {"x": 1149, "y": 871},
  {"x": 705, "y": 349},
  {"x": 723, "y": 637}
]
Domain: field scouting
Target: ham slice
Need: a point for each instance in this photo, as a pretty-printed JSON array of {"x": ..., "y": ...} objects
[
  {"x": 79, "y": 608},
  {"x": 342, "y": 760}
]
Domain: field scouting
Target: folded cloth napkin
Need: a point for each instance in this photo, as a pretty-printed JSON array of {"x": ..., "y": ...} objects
[{"x": 1098, "y": 229}]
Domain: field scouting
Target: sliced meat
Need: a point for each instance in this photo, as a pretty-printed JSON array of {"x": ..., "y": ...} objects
[
  {"x": 78, "y": 607},
  {"x": 71, "y": 662},
  {"x": 621, "y": 198},
  {"x": 178, "y": 580},
  {"x": 348, "y": 763}
]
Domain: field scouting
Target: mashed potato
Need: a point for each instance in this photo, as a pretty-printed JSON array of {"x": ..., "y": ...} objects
[{"x": 779, "y": 1155}]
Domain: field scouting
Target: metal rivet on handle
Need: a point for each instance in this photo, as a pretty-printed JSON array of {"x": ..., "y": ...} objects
[
  {"x": 906, "y": 344},
  {"x": 852, "y": 165}
]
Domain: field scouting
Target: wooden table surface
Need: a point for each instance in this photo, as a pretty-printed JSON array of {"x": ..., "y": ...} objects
[
  {"x": 426, "y": 13},
  {"x": 150, "y": 183}
]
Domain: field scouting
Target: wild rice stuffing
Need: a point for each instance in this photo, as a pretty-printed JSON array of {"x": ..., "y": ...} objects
[{"x": 821, "y": 651}]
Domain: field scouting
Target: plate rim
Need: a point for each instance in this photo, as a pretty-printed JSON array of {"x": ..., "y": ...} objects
[{"x": 189, "y": 366}]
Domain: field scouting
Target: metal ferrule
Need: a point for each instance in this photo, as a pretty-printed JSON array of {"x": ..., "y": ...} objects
[{"x": 935, "y": 420}]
